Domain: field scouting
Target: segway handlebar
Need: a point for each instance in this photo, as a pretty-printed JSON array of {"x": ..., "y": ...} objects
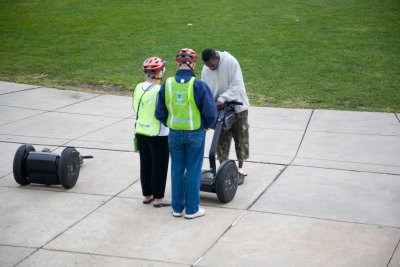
[
  {"x": 228, "y": 107},
  {"x": 84, "y": 157},
  {"x": 234, "y": 103}
]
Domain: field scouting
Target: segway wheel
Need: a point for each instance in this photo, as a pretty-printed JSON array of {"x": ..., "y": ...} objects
[
  {"x": 226, "y": 181},
  {"x": 19, "y": 167},
  {"x": 68, "y": 167}
]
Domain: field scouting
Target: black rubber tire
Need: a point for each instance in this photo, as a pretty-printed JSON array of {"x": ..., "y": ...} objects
[
  {"x": 19, "y": 166},
  {"x": 226, "y": 181},
  {"x": 68, "y": 167}
]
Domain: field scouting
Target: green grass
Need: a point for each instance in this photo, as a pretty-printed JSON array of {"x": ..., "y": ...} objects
[{"x": 304, "y": 54}]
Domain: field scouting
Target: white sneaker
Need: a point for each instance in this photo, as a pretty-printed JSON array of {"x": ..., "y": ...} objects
[
  {"x": 242, "y": 175},
  {"x": 242, "y": 172},
  {"x": 176, "y": 214},
  {"x": 199, "y": 213}
]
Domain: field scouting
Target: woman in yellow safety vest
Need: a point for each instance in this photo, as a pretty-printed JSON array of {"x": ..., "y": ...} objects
[{"x": 151, "y": 135}]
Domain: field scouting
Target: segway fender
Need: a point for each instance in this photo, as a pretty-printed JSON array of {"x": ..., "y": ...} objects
[
  {"x": 226, "y": 181},
  {"x": 69, "y": 167},
  {"x": 19, "y": 167}
]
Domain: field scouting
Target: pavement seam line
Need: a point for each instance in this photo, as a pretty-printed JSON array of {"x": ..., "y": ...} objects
[
  {"x": 347, "y": 161},
  {"x": 5, "y": 175},
  {"x": 86, "y": 114},
  {"x": 43, "y": 112},
  {"x": 109, "y": 256},
  {"x": 56, "y": 190},
  {"x": 326, "y": 219},
  {"x": 16, "y": 246},
  {"x": 84, "y": 253},
  {"x": 33, "y": 252},
  {"x": 268, "y": 186},
  {"x": 394, "y": 251},
  {"x": 349, "y": 170},
  {"x": 22, "y": 90},
  {"x": 197, "y": 261},
  {"x": 241, "y": 215},
  {"x": 64, "y": 112},
  {"x": 41, "y": 137},
  {"x": 395, "y": 114},
  {"x": 218, "y": 238},
  {"x": 349, "y": 133},
  {"x": 11, "y": 106},
  {"x": 302, "y": 138},
  {"x": 60, "y": 146}
]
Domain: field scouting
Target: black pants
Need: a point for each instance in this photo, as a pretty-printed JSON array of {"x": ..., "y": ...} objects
[{"x": 154, "y": 158}]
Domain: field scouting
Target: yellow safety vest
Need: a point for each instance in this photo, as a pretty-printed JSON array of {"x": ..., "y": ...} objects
[
  {"x": 146, "y": 122},
  {"x": 183, "y": 113}
]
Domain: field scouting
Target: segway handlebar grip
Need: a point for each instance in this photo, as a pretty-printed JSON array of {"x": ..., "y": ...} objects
[{"x": 234, "y": 103}]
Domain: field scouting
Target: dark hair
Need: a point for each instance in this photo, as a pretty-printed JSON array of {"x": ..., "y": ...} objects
[{"x": 208, "y": 54}]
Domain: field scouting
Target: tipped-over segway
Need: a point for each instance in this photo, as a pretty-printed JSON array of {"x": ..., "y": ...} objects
[
  {"x": 223, "y": 181},
  {"x": 47, "y": 168}
]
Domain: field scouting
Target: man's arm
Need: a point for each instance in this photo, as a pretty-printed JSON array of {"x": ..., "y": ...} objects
[
  {"x": 209, "y": 110},
  {"x": 206, "y": 104},
  {"x": 236, "y": 83}
]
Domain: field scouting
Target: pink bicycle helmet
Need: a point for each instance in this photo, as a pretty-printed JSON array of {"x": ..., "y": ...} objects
[
  {"x": 186, "y": 55},
  {"x": 153, "y": 65}
]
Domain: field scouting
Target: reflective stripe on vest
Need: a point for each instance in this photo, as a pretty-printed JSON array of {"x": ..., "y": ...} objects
[
  {"x": 183, "y": 113},
  {"x": 146, "y": 123}
]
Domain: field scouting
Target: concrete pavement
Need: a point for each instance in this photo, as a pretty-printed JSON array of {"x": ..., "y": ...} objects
[{"x": 323, "y": 189}]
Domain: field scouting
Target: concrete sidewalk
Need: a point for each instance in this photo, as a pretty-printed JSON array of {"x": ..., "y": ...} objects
[{"x": 323, "y": 189}]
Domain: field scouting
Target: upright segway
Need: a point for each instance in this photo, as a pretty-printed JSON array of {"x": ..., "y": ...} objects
[
  {"x": 223, "y": 181},
  {"x": 47, "y": 168}
]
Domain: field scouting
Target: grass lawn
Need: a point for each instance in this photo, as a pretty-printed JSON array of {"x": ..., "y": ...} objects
[{"x": 305, "y": 54}]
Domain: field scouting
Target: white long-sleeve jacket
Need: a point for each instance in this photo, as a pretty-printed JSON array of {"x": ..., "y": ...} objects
[{"x": 226, "y": 82}]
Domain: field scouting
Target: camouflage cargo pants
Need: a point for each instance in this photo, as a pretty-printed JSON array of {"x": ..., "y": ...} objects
[{"x": 240, "y": 134}]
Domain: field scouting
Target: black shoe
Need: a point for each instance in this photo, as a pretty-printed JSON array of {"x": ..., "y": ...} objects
[{"x": 148, "y": 200}]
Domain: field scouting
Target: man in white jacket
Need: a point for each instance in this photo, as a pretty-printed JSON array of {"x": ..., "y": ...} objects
[{"x": 222, "y": 73}]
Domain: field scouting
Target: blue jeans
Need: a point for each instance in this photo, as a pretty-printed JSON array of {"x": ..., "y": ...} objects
[{"x": 187, "y": 152}]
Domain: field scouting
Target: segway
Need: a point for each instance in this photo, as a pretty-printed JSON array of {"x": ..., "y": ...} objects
[
  {"x": 223, "y": 181},
  {"x": 47, "y": 168}
]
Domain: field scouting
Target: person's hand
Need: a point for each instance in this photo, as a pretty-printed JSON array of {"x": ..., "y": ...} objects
[{"x": 220, "y": 105}]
